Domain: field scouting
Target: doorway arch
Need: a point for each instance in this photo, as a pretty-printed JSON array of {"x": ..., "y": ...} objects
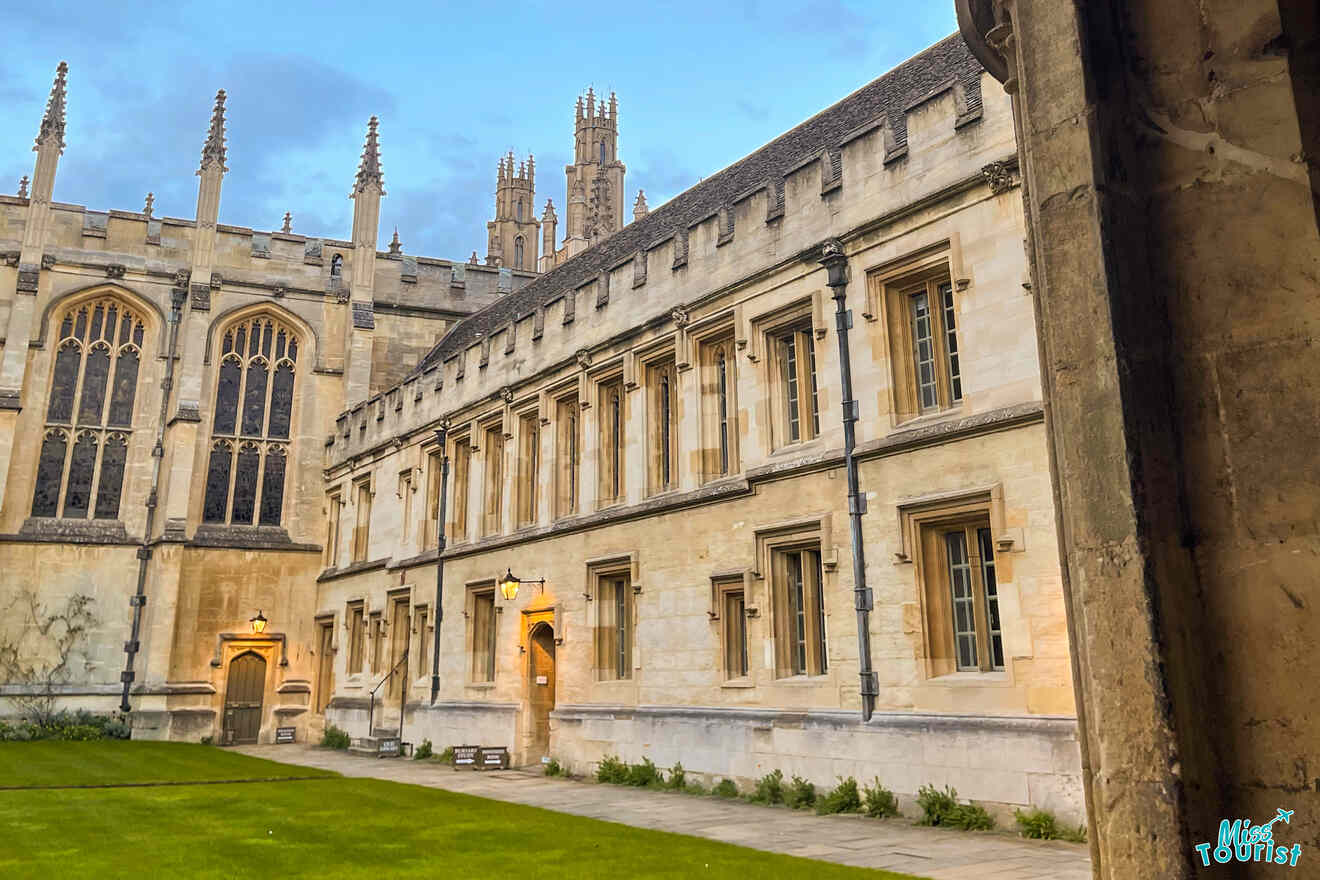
[
  {"x": 540, "y": 687},
  {"x": 245, "y": 689}
]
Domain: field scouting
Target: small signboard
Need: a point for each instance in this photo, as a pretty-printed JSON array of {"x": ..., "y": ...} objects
[
  {"x": 284, "y": 735},
  {"x": 387, "y": 748},
  {"x": 494, "y": 758},
  {"x": 466, "y": 756},
  {"x": 541, "y": 679}
]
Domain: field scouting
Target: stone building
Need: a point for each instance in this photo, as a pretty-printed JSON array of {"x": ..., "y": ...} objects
[
  {"x": 653, "y": 434},
  {"x": 653, "y": 428},
  {"x": 229, "y": 350}
]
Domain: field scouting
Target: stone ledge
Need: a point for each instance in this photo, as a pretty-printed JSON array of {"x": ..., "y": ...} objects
[
  {"x": 42, "y": 529},
  {"x": 331, "y": 574},
  {"x": 247, "y": 538}
]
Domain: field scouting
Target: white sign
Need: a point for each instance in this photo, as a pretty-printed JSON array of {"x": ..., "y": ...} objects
[{"x": 541, "y": 679}]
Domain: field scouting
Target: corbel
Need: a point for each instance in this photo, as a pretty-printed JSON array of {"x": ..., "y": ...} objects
[
  {"x": 818, "y": 313},
  {"x": 584, "y": 390},
  {"x": 630, "y": 372},
  {"x": 474, "y": 434},
  {"x": 957, "y": 269},
  {"x": 829, "y": 553},
  {"x": 543, "y": 406}
]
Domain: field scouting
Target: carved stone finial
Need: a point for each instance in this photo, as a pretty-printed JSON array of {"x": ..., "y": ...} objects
[
  {"x": 148, "y": 207},
  {"x": 831, "y": 249},
  {"x": 288, "y": 222},
  {"x": 506, "y": 394},
  {"x": 52, "y": 123},
  {"x": 998, "y": 176},
  {"x": 473, "y": 259},
  {"x": 22, "y": 187},
  {"x": 369, "y": 170},
  {"x": 640, "y": 209},
  {"x": 583, "y": 358},
  {"x": 549, "y": 215},
  {"x": 396, "y": 248},
  {"x": 679, "y": 315},
  {"x": 213, "y": 151}
]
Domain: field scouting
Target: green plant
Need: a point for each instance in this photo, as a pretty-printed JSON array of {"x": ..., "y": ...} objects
[
  {"x": 335, "y": 738},
  {"x": 423, "y": 751},
  {"x": 726, "y": 788},
  {"x": 937, "y": 807},
  {"x": 645, "y": 775},
  {"x": 677, "y": 778},
  {"x": 612, "y": 770},
  {"x": 553, "y": 768},
  {"x": 447, "y": 756},
  {"x": 843, "y": 798},
  {"x": 769, "y": 789},
  {"x": 879, "y": 802},
  {"x": 800, "y": 793},
  {"x": 1041, "y": 825},
  {"x": 207, "y": 740},
  {"x": 692, "y": 786},
  {"x": 972, "y": 817}
]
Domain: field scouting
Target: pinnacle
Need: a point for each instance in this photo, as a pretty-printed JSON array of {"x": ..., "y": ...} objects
[
  {"x": 52, "y": 123},
  {"x": 369, "y": 171},
  {"x": 395, "y": 246},
  {"x": 213, "y": 151}
]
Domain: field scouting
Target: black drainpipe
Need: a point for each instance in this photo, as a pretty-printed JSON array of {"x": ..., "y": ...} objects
[
  {"x": 439, "y": 561},
  {"x": 139, "y": 599},
  {"x": 836, "y": 264}
]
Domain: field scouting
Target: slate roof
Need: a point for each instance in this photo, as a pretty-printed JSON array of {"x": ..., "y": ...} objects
[{"x": 916, "y": 79}]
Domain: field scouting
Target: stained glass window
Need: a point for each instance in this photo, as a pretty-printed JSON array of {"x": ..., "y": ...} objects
[
  {"x": 98, "y": 354},
  {"x": 254, "y": 403}
]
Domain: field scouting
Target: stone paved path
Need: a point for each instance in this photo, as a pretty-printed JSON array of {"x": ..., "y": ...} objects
[{"x": 848, "y": 840}]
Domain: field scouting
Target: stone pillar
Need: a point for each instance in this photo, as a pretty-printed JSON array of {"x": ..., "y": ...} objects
[
  {"x": 1172, "y": 227},
  {"x": 361, "y": 325}
]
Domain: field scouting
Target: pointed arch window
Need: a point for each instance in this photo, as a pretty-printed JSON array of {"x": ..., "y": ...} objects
[
  {"x": 251, "y": 423},
  {"x": 602, "y": 152},
  {"x": 89, "y": 412},
  {"x": 518, "y": 252}
]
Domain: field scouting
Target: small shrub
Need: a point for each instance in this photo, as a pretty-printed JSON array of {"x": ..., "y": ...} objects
[
  {"x": 423, "y": 751},
  {"x": 207, "y": 740},
  {"x": 552, "y": 768},
  {"x": 612, "y": 770},
  {"x": 937, "y": 807},
  {"x": 677, "y": 778},
  {"x": 117, "y": 728},
  {"x": 335, "y": 738},
  {"x": 1041, "y": 825},
  {"x": 447, "y": 755},
  {"x": 972, "y": 817},
  {"x": 726, "y": 788},
  {"x": 800, "y": 794},
  {"x": 1036, "y": 824},
  {"x": 879, "y": 802},
  {"x": 769, "y": 789},
  {"x": 843, "y": 798},
  {"x": 693, "y": 787},
  {"x": 645, "y": 775}
]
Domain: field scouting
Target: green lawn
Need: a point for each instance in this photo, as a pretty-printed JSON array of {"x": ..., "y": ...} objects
[{"x": 330, "y": 827}]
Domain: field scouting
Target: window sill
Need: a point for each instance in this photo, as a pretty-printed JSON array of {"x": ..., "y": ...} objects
[
  {"x": 953, "y": 412},
  {"x": 480, "y": 685},
  {"x": 737, "y": 683},
  {"x": 804, "y": 680},
  {"x": 971, "y": 679},
  {"x": 797, "y": 448}
]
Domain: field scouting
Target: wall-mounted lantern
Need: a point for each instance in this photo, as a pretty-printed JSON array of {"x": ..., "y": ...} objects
[
  {"x": 258, "y": 623},
  {"x": 510, "y": 583}
]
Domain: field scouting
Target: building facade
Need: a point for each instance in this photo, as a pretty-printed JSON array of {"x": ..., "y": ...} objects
[{"x": 652, "y": 429}]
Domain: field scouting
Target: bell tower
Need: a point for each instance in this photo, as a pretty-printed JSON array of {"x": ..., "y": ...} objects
[
  {"x": 596, "y": 174},
  {"x": 514, "y": 234}
]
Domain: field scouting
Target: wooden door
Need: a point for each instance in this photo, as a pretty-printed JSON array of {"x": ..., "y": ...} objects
[
  {"x": 398, "y": 646},
  {"x": 243, "y": 694},
  {"x": 325, "y": 685},
  {"x": 541, "y": 687}
]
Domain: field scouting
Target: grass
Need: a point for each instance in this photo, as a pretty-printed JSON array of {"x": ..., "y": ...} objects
[
  {"x": 328, "y": 827},
  {"x": 110, "y": 762}
]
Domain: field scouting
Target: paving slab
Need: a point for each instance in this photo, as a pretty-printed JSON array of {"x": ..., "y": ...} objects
[{"x": 847, "y": 840}]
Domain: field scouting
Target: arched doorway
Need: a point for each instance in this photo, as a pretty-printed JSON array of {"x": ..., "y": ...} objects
[
  {"x": 244, "y": 691},
  {"x": 541, "y": 687}
]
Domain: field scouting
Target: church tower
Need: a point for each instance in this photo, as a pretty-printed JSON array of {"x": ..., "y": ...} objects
[
  {"x": 514, "y": 233},
  {"x": 595, "y": 179}
]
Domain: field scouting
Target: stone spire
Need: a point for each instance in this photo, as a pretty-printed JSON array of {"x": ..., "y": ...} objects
[
  {"x": 52, "y": 124},
  {"x": 369, "y": 170},
  {"x": 288, "y": 222},
  {"x": 214, "y": 149},
  {"x": 22, "y": 187},
  {"x": 148, "y": 206},
  {"x": 549, "y": 215},
  {"x": 639, "y": 207},
  {"x": 396, "y": 248},
  {"x": 614, "y": 106}
]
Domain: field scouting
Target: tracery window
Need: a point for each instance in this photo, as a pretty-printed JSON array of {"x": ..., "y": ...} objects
[
  {"x": 98, "y": 354},
  {"x": 250, "y": 426}
]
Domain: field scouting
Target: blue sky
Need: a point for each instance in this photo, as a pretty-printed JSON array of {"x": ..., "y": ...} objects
[{"x": 700, "y": 85}]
